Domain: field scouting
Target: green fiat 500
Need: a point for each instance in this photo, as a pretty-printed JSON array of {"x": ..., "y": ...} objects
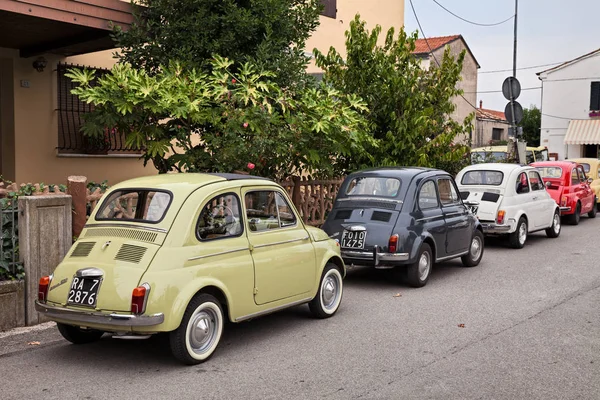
[{"x": 181, "y": 253}]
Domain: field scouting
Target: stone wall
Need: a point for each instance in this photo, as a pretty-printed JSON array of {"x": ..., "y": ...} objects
[{"x": 12, "y": 304}]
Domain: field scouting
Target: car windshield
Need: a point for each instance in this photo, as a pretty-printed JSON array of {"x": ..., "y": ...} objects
[
  {"x": 586, "y": 167},
  {"x": 488, "y": 156},
  {"x": 541, "y": 155},
  {"x": 482, "y": 177},
  {"x": 141, "y": 205},
  {"x": 373, "y": 186},
  {"x": 550, "y": 172}
]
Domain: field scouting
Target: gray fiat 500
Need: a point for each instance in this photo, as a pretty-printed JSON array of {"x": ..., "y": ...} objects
[{"x": 406, "y": 217}]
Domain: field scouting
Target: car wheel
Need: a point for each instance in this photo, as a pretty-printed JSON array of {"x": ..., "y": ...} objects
[
  {"x": 200, "y": 331},
  {"x": 77, "y": 335},
  {"x": 473, "y": 257},
  {"x": 329, "y": 296},
  {"x": 417, "y": 273},
  {"x": 593, "y": 211},
  {"x": 554, "y": 229},
  {"x": 576, "y": 216},
  {"x": 518, "y": 238}
]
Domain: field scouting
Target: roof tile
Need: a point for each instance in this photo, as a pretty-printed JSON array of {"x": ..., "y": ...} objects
[{"x": 421, "y": 46}]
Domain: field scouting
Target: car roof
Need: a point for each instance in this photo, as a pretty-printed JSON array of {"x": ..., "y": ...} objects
[
  {"x": 400, "y": 172},
  {"x": 503, "y": 167},
  {"x": 591, "y": 161},
  {"x": 565, "y": 164}
]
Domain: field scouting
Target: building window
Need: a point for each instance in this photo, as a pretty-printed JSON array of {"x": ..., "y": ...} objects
[
  {"x": 330, "y": 9},
  {"x": 595, "y": 97},
  {"x": 71, "y": 111},
  {"x": 497, "y": 133}
]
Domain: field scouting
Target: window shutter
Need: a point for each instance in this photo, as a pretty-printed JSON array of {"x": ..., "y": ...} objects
[
  {"x": 595, "y": 97},
  {"x": 330, "y": 9}
]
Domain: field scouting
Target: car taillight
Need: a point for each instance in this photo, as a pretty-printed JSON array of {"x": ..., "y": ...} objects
[
  {"x": 43, "y": 288},
  {"x": 393, "y": 244},
  {"x": 139, "y": 298},
  {"x": 563, "y": 201},
  {"x": 500, "y": 217}
]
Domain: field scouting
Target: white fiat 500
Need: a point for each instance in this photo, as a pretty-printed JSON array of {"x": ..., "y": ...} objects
[{"x": 509, "y": 199}]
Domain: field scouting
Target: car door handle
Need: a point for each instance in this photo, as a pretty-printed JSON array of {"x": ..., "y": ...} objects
[{"x": 535, "y": 198}]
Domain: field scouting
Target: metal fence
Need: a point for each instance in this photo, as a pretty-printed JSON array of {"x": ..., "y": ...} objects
[{"x": 10, "y": 267}]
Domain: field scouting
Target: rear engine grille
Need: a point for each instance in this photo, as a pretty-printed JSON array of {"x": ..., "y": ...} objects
[
  {"x": 122, "y": 233},
  {"x": 83, "y": 249},
  {"x": 371, "y": 204},
  {"x": 464, "y": 195},
  {"x": 491, "y": 197},
  {"x": 381, "y": 216},
  {"x": 130, "y": 253},
  {"x": 343, "y": 214}
]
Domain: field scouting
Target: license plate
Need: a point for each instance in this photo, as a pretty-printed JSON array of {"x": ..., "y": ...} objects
[
  {"x": 83, "y": 291},
  {"x": 354, "y": 240}
]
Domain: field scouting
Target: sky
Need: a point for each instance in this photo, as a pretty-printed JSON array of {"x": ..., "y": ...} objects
[{"x": 548, "y": 31}]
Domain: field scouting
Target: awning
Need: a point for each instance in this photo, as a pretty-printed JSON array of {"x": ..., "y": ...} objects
[{"x": 583, "y": 132}]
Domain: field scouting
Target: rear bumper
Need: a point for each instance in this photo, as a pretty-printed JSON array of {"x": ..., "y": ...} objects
[
  {"x": 374, "y": 258},
  {"x": 565, "y": 210},
  {"x": 491, "y": 228},
  {"x": 78, "y": 317}
]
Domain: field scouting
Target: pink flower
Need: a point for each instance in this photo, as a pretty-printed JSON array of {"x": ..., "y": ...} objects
[
  {"x": 251, "y": 166},
  {"x": 245, "y": 125}
]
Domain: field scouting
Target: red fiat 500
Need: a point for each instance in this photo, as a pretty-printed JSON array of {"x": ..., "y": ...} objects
[{"x": 567, "y": 184}]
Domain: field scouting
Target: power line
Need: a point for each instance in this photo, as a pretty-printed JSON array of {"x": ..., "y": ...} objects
[
  {"x": 571, "y": 79},
  {"x": 510, "y": 70},
  {"x": 430, "y": 50},
  {"x": 500, "y": 91},
  {"x": 471, "y": 22}
]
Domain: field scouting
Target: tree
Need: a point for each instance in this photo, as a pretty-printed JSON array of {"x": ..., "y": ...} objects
[
  {"x": 531, "y": 123},
  {"x": 233, "y": 118},
  {"x": 269, "y": 33},
  {"x": 408, "y": 106}
]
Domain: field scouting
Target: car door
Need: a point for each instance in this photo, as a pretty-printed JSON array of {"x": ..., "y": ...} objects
[
  {"x": 458, "y": 232},
  {"x": 541, "y": 214},
  {"x": 429, "y": 217},
  {"x": 586, "y": 193},
  {"x": 283, "y": 254},
  {"x": 524, "y": 198}
]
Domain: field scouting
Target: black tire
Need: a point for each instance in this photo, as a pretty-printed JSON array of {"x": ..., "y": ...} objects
[
  {"x": 473, "y": 257},
  {"x": 553, "y": 232},
  {"x": 77, "y": 335},
  {"x": 593, "y": 211},
  {"x": 515, "y": 239},
  {"x": 203, "y": 310},
  {"x": 329, "y": 296},
  {"x": 576, "y": 216},
  {"x": 414, "y": 277}
]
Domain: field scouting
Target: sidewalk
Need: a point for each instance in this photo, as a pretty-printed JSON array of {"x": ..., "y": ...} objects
[{"x": 22, "y": 339}]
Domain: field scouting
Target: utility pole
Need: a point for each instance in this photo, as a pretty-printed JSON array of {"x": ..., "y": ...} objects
[
  {"x": 515, "y": 43},
  {"x": 513, "y": 122}
]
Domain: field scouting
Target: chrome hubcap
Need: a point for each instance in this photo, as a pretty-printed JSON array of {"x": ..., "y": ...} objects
[
  {"x": 476, "y": 248},
  {"x": 522, "y": 233},
  {"x": 424, "y": 266},
  {"x": 330, "y": 291},
  {"x": 203, "y": 330},
  {"x": 556, "y": 223}
]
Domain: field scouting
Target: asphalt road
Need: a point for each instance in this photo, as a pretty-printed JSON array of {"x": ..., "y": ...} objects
[{"x": 525, "y": 324}]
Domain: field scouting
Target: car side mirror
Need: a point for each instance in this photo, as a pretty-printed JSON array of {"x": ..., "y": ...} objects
[
  {"x": 590, "y": 180},
  {"x": 547, "y": 184}
]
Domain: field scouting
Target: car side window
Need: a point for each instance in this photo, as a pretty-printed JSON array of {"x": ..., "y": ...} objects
[
  {"x": 574, "y": 177},
  {"x": 267, "y": 210},
  {"x": 522, "y": 184},
  {"x": 448, "y": 193},
  {"x": 582, "y": 177},
  {"x": 427, "y": 196},
  {"x": 536, "y": 181},
  {"x": 220, "y": 218}
]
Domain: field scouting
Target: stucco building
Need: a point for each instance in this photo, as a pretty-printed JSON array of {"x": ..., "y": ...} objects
[
  {"x": 433, "y": 49},
  {"x": 39, "y": 118},
  {"x": 490, "y": 126},
  {"x": 571, "y": 107}
]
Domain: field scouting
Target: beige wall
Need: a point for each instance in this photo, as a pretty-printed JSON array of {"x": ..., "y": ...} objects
[
  {"x": 36, "y": 128},
  {"x": 331, "y": 32},
  {"x": 468, "y": 84},
  {"x": 483, "y": 132}
]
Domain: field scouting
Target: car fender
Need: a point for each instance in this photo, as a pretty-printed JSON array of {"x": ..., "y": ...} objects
[{"x": 418, "y": 242}]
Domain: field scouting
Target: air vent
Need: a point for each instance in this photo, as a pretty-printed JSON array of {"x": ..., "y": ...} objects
[
  {"x": 491, "y": 197},
  {"x": 130, "y": 253},
  {"x": 464, "y": 195},
  {"x": 83, "y": 249},
  {"x": 143, "y": 236},
  {"x": 343, "y": 214},
  {"x": 370, "y": 204},
  {"x": 381, "y": 216}
]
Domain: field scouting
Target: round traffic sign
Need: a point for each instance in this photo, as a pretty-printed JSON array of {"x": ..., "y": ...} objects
[
  {"x": 508, "y": 112},
  {"x": 511, "y": 88}
]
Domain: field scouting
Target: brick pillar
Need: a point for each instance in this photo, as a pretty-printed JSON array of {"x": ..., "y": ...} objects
[
  {"x": 77, "y": 188},
  {"x": 45, "y": 237}
]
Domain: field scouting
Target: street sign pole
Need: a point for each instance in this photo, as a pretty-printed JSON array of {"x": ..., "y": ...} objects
[{"x": 514, "y": 121}]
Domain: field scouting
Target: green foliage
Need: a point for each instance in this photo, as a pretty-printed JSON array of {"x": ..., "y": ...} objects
[
  {"x": 532, "y": 123},
  {"x": 233, "y": 118},
  {"x": 10, "y": 267},
  {"x": 407, "y": 106},
  {"x": 103, "y": 186},
  {"x": 269, "y": 33}
]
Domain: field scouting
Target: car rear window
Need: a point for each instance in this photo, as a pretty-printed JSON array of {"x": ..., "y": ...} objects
[
  {"x": 142, "y": 205},
  {"x": 482, "y": 177},
  {"x": 373, "y": 186},
  {"x": 586, "y": 167},
  {"x": 550, "y": 172}
]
